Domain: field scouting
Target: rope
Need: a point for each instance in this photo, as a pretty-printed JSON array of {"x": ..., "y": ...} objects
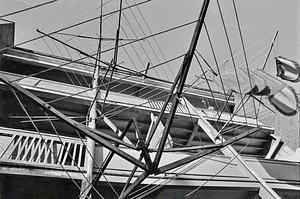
[
  {"x": 216, "y": 62},
  {"x": 231, "y": 54},
  {"x": 26, "y": 9},
  {"x": 151, "y": 47},
  {"x": 212, "y": 94},
  {"x": 68, "y": 27},
  {"x": 148, "y": 27},
  {"x": 246, "y": 61},
  {"x": 143, "y": 49}
]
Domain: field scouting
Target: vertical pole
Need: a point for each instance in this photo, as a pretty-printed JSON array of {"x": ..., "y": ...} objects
[
  {"x": 90, "y": 147},
  {"x": 271, "y": 47},
  {"x": 117, "y": 38},
  {"x": 115, "y": 59}
]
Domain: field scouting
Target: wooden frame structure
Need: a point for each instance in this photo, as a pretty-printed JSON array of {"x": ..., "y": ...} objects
[{"x": 149, "y": 167}]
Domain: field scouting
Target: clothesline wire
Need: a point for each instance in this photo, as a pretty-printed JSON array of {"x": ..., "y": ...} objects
[
  {"x": 231, "y": 54},
  {"x": 245, "y": 56},
  {"x": 71, "y": 26}
]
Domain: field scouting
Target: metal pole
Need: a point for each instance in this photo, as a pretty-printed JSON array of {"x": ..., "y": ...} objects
[
  {"x": 271, "y": 47},
  {"x": 115, "y": 59}
]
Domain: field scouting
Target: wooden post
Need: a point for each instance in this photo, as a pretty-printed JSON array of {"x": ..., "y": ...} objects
[{"x": 90, "y": 147}]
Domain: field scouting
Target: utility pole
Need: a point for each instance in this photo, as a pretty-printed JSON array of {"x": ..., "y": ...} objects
[{"x": 90, "y": 147}]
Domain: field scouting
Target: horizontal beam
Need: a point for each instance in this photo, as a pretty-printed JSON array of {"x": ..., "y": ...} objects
[
  {"x": 79, "y": 67},
  {"x": 83, "y": 93},
  {"x": 190, "y": 148}
]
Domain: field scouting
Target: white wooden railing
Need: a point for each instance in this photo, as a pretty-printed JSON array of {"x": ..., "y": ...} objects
[{"x": 41, "y": 149}]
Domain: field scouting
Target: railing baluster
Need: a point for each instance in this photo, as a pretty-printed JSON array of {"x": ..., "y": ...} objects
[
  {"x": 48, "y": 149},
  {"x": 29, "y": 148},
  {"x": 53, "y": 155},
  {"x": 66, "y": 154},
  {"x": 15, "y": 147},
  {"x": 22, "y": 147},
  {"x": 80, "y": 155},
  {"x": 35, "y": 149},
  {"x": 44, "y": 144},
  {"x": 61, "y": 152},
  {"x": 74, "y": 154}
]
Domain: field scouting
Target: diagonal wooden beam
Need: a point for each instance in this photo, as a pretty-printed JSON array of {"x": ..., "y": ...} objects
[
  {"x": 277, "y": 144},
  {"x": 141, "y": 145},
  {"x": 191, "y": 158},
  {"x": 182, "y": 74},
  {"x": 113, "y": 127},
  {"x": 157, "y": 134},
  {"x": 137, "y": 182},
  {"x": 175, "y": 94},
  {"x": 105, "y": 163},
  {"x": 265, "y": 190},
  {"x": 195, "y": 130},
  {"x": 96, "y": 135}
]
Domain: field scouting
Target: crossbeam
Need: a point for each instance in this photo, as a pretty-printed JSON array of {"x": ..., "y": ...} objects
[
  {"x": 174, "y": 95},
  {"x": 96, "y": 135},
  {"x": 198, "y": 155},
  {"x": 105, "y": 163},
  {"x": 265, "y": 190}
]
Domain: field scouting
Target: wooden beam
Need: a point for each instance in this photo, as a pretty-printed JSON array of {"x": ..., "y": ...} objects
[
  {"x": 142, "y": 146},
  {"x": 157, "y": 134},
  {"x": 137, "y": 182},
  {"x": 275, "y": 147},
  {"x": 175, "y": 94},
  {"x": 195, "y": 130},
  {"x": 191, "y": 158},
  {"x": 189, "y": 148},
  {"x": 107, "y": 161},
  {"x": 265, "y": 190},
  {"x": 182, "y": 73},
  {"x": 96, "y": 135},
  {"x": 114, "y": 128}
]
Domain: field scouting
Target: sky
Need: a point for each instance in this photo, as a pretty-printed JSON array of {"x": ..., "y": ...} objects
[{"x": 259, "y": 20}]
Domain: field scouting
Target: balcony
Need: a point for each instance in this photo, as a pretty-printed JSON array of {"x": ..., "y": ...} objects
[
  {"x": 33, "y": 149},
  {"x": 34, "y": 154}
]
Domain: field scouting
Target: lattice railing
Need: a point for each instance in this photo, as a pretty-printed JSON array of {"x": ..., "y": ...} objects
[
  {"x": 40, "y": 148},
  {"x": 206, "y": 113}
]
